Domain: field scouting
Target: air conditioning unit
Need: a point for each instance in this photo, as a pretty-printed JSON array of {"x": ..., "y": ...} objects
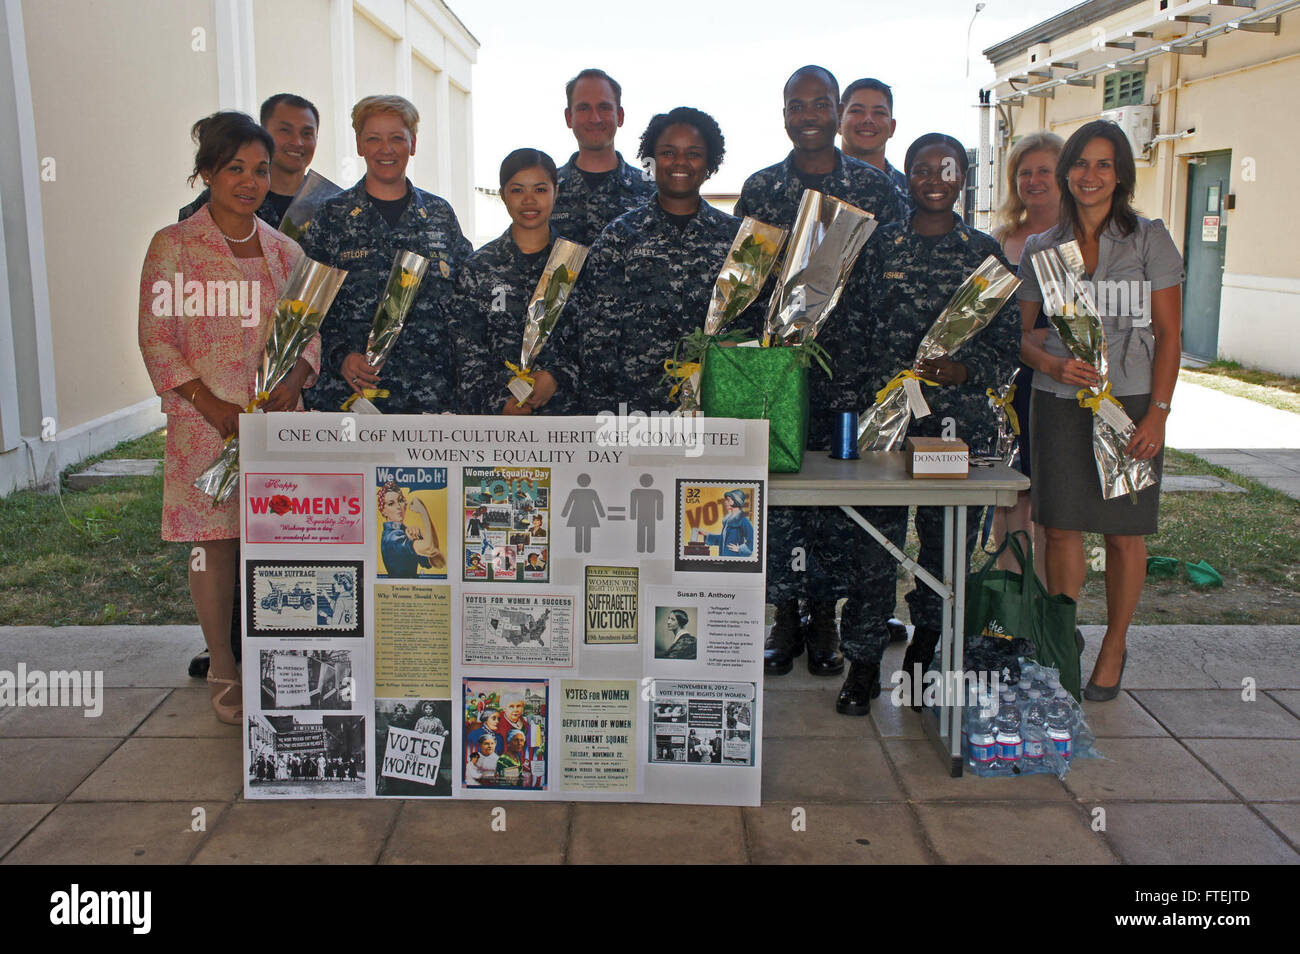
[{"x": 1138, "y": 125}]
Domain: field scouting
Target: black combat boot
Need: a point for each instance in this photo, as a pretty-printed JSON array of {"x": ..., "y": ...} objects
[
  {"x": 919, "y": 651},
  {"x": 897, "y": 630},
  {"x": 861, "y": 686},
  {"x": 785, "y": 641},
  {"x": 824, "y": 657}
]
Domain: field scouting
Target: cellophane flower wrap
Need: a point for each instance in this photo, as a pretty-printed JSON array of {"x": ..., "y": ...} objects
[
  {"x": 749, "y": 261},
  {"x": 306, "y": 203},
  {"x": 394, "y": 306},
  {"x": 563, "y": 266},
  {"x": 1073, "y": 313},
  {"x": 1004, "y": 446},
  {"x": 298, "y": 315},
  {"x": 824, "y": 243},
  {"x": 827, "y": 235},
  {"x": 972, "y": 306}
]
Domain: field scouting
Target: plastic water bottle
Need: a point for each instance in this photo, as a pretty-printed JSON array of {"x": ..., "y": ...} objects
[
  {"x": 1011, "y": 745},
  {"x": 1035, "y": 731},
  {"x": 1060, "y": 725},
  {"x": 980, "y": 738},
  {"x": 1022, "y": 690}
]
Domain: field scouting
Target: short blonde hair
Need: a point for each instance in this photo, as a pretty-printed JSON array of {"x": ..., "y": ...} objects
[
  {"x": 1013, "y": 214},
  {"x": 370, "y": 105}
]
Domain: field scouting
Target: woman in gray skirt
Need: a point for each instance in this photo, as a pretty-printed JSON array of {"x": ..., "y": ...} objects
[{"x": 1136, "y": 264}]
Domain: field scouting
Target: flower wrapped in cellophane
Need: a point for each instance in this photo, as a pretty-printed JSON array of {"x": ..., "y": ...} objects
[
  {"x": 1073, "y": 313},
  {"x": 972, "y": 306},
  {"x": 563, "y": 266},
  {"x": 306, "y": 203},
  {"x": 307, "y": 296},
  {"x": 827, "y": 236},
  {"x": 1004, "y": 445},
  {"x": 748, "y": 263},
  {"x": 394, "y": 306},
  {"x": 771, "y": 383}
]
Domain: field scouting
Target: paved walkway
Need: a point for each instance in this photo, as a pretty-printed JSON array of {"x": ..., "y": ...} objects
[
  {"x": 1194, "y": 774},
  {"x": 1246, "y": 437}
]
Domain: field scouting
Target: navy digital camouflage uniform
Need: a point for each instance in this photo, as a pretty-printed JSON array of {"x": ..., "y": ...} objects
[
  {"x": 833, "y": 548},
  {"x": 486, "y": 323},
  {"x": 582, "y": 213},
  {"x": 900, "y": 286},
  {"x": 349, "y": 232},
  {"x": 900, "y": 181},
  {"x": 267, "y": 211},
  {"x": 646, "y": 284},
  {"x": 772, "y": 195}
]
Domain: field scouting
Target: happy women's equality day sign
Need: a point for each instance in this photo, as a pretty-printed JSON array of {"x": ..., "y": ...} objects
[{"x": 480, "y": 607}]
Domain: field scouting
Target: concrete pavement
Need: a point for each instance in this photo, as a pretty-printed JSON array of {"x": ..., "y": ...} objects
[{"x": 1194, "y": 773}]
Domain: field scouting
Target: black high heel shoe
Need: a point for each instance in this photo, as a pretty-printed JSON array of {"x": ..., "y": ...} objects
[{"x": 1095, "y": 693}]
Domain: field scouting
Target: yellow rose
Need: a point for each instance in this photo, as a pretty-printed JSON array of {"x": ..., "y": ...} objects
[{"x": 407, "y": 279}]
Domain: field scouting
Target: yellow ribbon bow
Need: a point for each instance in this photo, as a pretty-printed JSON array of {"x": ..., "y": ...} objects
[
  {"x": 1005, "y": 403},
  {"x": 897, "y": 383},
  {"x": 682, "y": 371},
  {"x": 261, "y": 398},
  {"x": 368, "y": 393},
  {"x": 520, "y": 373},
  {"x": 1093, "y": 401}
]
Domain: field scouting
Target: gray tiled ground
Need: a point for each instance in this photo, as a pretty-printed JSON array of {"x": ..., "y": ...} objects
[{"x": 1192, "y": 773}]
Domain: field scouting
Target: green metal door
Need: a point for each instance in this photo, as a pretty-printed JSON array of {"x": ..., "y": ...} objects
[{"x": 1203, "y": 248}]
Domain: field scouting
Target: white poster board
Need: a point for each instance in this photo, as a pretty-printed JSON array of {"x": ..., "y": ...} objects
[{"x": 487, "y": 607}]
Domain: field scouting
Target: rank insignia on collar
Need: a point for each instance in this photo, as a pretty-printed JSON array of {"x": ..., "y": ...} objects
[
  {"x": 424, "y": 214},
  {"x": 355, "y": 211}
]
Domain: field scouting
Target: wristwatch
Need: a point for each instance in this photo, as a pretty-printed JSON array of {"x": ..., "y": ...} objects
[{"x": 1161, "y": 404}]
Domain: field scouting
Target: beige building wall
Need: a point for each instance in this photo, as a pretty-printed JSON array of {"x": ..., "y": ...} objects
[
  {"x": 282, "y": 32},
  {"x": 102, "y": 96},
  {"x": 1235, "y": 98},
  {"x": 113, "y": 109}
]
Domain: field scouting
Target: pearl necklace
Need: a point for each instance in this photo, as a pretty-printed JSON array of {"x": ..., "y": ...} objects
[{"x": 242, "y": 240}]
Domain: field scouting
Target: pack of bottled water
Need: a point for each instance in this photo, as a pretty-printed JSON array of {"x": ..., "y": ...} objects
[{"x": 1033, "y": 726}]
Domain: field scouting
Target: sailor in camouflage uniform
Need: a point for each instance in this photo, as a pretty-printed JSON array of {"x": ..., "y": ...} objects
[
  {"x": 649, "y": 277},
  {"x": 595, "y": 186},
  {"x": 908, "y": 272},
  {"x": 361, "y": 230},
  {"x": 796, "y": 534},
  {"x": 487, "y": 313},
  {"x": 867, "y": 123}
]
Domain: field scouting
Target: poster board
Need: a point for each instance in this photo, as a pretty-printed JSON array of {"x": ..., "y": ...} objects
[{"x": 559, "y": 608}]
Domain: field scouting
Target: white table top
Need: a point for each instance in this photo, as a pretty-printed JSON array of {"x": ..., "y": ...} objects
[{"x": 881, "y": 480}]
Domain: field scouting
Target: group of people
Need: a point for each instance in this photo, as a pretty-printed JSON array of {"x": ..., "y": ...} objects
[
  {"x": 282, "y": 767},
  {"x": 655, "y": 249}
]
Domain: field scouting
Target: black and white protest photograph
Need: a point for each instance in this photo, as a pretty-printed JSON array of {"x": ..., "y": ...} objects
[
  {"x": 306, "y": 678},
  {"x": 413, "y": 748},
  {"x": 307, "y": 756}
]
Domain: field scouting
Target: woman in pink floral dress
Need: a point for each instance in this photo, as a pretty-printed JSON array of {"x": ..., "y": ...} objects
[{"x": 202, "y": 355}]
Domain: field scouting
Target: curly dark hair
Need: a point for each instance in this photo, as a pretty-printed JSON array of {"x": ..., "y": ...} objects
[{"x": 703, "y": 123}]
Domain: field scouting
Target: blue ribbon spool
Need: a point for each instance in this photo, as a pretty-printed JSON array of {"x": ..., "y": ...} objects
[{"x": 844, "y": 438}]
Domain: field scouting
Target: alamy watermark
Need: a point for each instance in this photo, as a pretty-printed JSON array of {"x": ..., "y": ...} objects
[
  {"x": 661, "y": 429},
  {"x": 207, "y": 299},
  {"x": 944, "y": 688},
  {"x": 36, "y": 688},
  {"x": 1130, "y": 301}
]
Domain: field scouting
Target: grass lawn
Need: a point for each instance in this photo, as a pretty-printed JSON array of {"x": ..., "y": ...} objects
[
  {"x": 1275, "y": 390},
  {"x": 95, "y": 556}
]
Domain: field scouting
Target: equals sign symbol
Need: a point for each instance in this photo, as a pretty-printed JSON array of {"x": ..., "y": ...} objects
[{"x": 616, "y": 513}]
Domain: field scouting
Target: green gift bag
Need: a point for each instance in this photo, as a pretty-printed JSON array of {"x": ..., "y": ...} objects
[
  {"x": 761, "y": 384},
  {"x": 1002, "y": 603}
]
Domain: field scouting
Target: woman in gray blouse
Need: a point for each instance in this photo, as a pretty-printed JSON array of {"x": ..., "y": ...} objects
[{"x": 1136, "y": 273}]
